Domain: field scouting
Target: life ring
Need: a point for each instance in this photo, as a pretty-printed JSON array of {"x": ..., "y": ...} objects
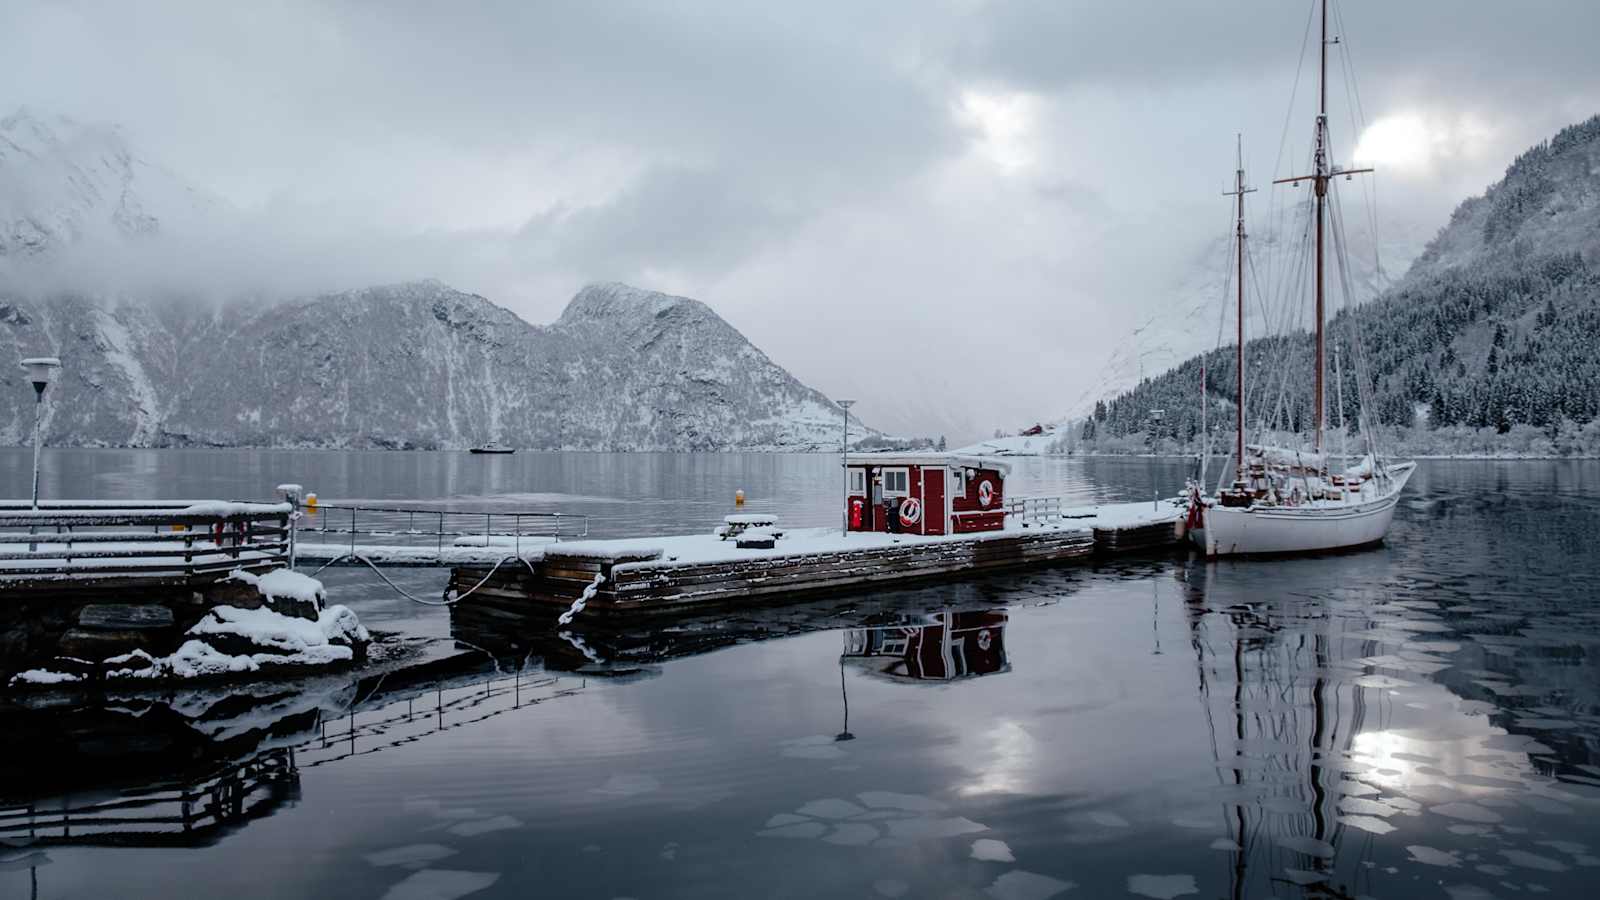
[
  {"x": 910, "y": 511},
  {"x": 985, "y": 493},
  {"x": 985, "y": 640}
]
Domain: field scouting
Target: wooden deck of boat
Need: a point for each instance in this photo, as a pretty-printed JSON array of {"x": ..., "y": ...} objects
[{"x": 635, "y": 579}]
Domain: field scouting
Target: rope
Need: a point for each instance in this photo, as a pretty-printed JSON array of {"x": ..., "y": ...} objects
[
  {"x": 454, "y": 597},
  {"x": 577, "y": 642},
  {"x": 582, "y": 601}
]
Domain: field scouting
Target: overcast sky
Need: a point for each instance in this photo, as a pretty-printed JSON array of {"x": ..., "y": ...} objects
[{"x": 952, "y": 210}]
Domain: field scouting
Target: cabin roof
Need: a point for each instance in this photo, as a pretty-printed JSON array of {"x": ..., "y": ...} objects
[{"x": 929, "y": 459}]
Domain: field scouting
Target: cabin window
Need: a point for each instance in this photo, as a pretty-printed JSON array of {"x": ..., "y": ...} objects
[
  {"x": 896, "y": 482},
  {"x": 958, "y": 482},
  {"x": 858, "y": 481}
]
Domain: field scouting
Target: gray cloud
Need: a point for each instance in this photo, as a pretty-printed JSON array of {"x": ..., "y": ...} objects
[{"x": 1013, "y": 182}]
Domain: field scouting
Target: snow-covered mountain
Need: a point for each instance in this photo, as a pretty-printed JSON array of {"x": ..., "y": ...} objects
[
  {"x": 408, "y": 365},
  {"x": 63, "y": 182}
]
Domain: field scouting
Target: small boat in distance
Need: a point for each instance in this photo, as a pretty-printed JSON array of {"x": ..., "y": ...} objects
[
  {"x": 493, "y": 447},
  {"x": 1285, "y": 499}
]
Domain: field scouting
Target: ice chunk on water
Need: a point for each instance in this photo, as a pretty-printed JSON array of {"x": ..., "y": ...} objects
[
  {"x": 441, "y": 884},
  {"x": 410, "y": 856},
  {"x": 991, "y": 850},
  {"x": 484, "y": 826},
  {"x": 830, "y": 808},
  {"x": 1019, "y": 885},
  {"x": 1162, "y": 887}
]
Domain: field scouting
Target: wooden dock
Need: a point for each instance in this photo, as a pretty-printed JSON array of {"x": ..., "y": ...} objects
[{"x": 673, "y": 574}]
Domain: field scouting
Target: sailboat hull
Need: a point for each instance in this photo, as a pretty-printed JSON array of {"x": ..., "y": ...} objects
[{"x": 1274, "y": 530}]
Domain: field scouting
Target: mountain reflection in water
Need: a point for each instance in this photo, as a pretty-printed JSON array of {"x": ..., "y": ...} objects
[{"x": 1420, "y": 720}]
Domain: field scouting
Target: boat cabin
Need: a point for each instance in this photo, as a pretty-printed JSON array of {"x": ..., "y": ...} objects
[{"x": 925, "y": 493}]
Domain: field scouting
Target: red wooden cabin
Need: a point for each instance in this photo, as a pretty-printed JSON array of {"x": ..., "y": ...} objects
[{"x": 925, "y": 493}]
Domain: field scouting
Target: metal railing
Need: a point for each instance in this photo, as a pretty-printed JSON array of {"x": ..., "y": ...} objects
[
  {"x": 1028, "y": 510},
  {"x": 167, "y": 541},
  {"x": 355, "y": 527}
]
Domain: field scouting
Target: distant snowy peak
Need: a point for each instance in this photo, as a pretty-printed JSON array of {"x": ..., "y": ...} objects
[
  {"x": 63, "y": 181},
  {"x": 611, "y": 300}
]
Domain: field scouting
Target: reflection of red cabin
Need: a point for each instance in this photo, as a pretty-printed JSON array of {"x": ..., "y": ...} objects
[
  {"x": 955, "y": 645},
  {"x": 925, "y": 493}
]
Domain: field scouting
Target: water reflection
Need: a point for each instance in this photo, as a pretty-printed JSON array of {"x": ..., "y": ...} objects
[
  {"x": 1420, "y": 720},
  {"x": 949, "y": 646}
]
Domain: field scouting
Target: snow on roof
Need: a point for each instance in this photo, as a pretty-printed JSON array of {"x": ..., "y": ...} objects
[{"x": 929, "y": 459}]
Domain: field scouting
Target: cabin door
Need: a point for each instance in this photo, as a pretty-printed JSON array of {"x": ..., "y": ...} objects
[{"x": 933, "y": 513}]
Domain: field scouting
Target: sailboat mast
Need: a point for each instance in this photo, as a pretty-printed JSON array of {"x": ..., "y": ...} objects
[
  {"x": 1321, "y": 184},
  {"x": 1239, "y": 192}
]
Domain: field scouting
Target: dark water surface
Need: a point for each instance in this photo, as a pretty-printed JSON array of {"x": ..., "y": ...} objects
[{"x": 1420, "y": 720}]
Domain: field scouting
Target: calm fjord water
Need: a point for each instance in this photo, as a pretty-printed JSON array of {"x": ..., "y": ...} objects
[{"x": 1418, "y": 720}]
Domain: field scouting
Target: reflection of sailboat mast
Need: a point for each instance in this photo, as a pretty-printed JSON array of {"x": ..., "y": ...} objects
[{"x": 1270, "y": 705}]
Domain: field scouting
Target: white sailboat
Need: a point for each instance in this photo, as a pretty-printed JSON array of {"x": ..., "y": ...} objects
[{"x": 1285, "y": 500}]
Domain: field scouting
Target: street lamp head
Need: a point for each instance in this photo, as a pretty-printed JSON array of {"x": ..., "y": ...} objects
[
  {"x": 40, "y": 369},
  {"x": 845, "y": 404}
]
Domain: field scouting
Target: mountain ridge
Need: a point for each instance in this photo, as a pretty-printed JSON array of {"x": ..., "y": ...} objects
[{"x": 414, "y": 364}]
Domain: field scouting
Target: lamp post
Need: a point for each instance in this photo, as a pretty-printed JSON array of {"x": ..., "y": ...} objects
[
  {"x": 844, "y": 455},
  {"x": 39, "y": 369}
]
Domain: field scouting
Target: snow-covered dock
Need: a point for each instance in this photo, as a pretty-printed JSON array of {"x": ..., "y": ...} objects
[{"x": 667, "y": 573}]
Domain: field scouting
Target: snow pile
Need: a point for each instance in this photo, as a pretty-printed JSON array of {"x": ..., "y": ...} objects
[
  {"x": 44, "y": 677},
  {"x": 293, "y": 629},
  {"x": 282, "y": 584},
  {"x": 232, "y": 641}
]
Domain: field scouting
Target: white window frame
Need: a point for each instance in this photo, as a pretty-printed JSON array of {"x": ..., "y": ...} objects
[
  {"x": 956, "y": 483},
  {"x": 858, "y": 482},
  {"x": 905, "y": 478}
]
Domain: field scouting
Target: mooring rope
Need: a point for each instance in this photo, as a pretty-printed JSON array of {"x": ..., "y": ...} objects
[
  {"x": 582, "y": 647},
  {"x": 452, "y": 598},
  {"x": 582, "y": 601}
]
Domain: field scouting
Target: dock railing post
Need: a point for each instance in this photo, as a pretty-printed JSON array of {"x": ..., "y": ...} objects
[{"x": 844, "y": 456}]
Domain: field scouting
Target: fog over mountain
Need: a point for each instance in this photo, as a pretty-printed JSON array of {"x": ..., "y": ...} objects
[{"x": 103, "y": 262}]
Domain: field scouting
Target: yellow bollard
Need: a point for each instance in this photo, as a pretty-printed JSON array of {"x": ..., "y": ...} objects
[
  {"x": 738, "y": 497},
  {"x": 310, "y": 502}
]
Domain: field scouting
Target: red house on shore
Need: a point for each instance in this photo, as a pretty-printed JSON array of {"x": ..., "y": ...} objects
[{"x": 925, "y": 493}]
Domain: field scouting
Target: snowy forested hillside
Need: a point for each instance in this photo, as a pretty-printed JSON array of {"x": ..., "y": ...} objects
[{"x": 1496, "y": 326}]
